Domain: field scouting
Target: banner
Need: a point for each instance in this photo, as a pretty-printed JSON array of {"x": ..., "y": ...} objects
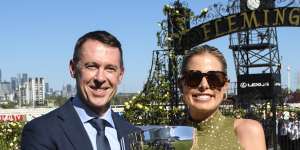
[
  {"x": 5, "y": 117},
  {"x": 259, "y": 86},
  {"x": 286, "y": 16}
]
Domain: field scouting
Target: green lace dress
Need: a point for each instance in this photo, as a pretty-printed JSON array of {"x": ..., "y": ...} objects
[{"x": 215, "y": 133}]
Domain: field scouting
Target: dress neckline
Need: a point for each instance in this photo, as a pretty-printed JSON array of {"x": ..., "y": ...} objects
[{"x": 212, "y": 123}]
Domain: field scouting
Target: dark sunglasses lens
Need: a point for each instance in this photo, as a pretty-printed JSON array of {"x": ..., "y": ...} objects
[
  {"x": 216, "y": 79},
  {"x": 193, "y": 79}
]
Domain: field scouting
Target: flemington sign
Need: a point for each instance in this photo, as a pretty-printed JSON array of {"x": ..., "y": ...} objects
[{"x": 283, "y": 16}]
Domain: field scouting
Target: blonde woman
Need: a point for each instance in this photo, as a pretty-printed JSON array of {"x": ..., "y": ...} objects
[{"x": 204, "y": 83}]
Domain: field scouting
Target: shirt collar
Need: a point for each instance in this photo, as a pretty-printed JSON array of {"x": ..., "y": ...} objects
[{"x": 86, "y": 114}]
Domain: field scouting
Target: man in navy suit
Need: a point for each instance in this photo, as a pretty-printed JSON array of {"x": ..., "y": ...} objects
[{"x": 97, "y": 67}]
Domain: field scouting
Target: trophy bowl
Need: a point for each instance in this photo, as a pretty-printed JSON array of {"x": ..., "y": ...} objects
[{"x": 155, "y": 137}]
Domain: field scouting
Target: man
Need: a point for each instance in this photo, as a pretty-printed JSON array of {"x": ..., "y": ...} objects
[{"x": 97, "y": 66}]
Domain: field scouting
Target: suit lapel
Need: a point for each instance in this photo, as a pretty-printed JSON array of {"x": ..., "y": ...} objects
[
  {"x": 123, "y": 129},
  {"x": 119, "y": 125},
  {"x": 73, "y": 127}
]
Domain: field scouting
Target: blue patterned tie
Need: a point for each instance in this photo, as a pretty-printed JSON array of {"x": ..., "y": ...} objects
[{"x": 101, "y": 140}]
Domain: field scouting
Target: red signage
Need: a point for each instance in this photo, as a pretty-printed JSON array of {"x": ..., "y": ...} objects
[{"x": 12, "y": 117}]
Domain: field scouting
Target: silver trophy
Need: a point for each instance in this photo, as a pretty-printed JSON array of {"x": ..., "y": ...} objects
[{"x": 162, "y": 138}]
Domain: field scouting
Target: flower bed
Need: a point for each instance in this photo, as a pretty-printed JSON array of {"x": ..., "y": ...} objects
[{"x": 10, "y": 135}]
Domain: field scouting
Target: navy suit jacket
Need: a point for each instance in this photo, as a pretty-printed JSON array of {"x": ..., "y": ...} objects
[{"x": 62, "y": 129}]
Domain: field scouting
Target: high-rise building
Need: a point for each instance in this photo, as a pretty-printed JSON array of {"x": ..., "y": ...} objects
[
  {"x": 298, "y": 81},
  {"x": 5, "y": 91},
  {"x": 0, "y": 76},
  {"x": 33, "y": 91},
  {"x": 68, "y": 91},
  {"x": 14, "y": 83},
  {"x": 24, "y": 78},
  {"x": 47, "y": 87},
  {"x": 38, "y": 90}
]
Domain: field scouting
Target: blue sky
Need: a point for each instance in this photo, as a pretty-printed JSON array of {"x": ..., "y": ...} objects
[{"x": 37, "y": 37}]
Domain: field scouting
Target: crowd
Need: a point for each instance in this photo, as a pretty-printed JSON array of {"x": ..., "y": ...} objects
[{"x": 288, "y": 131}]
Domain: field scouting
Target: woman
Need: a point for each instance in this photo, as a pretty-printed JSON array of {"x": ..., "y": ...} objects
[{"x": 204, "y": 85}]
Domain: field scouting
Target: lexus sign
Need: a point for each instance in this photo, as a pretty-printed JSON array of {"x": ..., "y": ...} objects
[
  {"x": 255, "y": 84},
  {"x": 259, "y": 86}
]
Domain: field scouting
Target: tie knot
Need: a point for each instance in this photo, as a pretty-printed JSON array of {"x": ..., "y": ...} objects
[{"x": 99, "y": 124}]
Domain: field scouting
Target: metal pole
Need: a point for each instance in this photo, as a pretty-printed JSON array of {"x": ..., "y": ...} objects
[{"x": 274, "y": 124}]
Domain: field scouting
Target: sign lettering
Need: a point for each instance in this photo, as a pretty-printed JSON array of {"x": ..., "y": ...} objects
[{"x": 285, "y": 16}]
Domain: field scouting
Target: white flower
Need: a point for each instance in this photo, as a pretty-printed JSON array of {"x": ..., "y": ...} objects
[
  {"x": 138, "y": 105},
  {"x": 13, "y": 124},
  {"x": 204, "y": 10},
  {"x": 127, "y": 106},
  {"x": 126, "y": 103}
]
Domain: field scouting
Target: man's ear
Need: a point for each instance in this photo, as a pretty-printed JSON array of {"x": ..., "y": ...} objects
[
  {"x": 72, "y": 68},
  {"x": 121, "y": 74}
]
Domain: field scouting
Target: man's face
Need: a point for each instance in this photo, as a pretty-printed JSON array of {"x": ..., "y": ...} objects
[{"x": 98, "y": 73}]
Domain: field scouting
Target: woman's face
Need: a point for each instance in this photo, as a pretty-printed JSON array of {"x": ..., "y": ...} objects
[{"x": 203, "y": 98}]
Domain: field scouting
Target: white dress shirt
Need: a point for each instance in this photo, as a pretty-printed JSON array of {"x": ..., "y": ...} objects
[{"x": 85, "y": 115}]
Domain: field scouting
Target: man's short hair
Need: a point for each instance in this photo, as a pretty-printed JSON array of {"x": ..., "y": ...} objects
[{"x": 101, "y": 36}]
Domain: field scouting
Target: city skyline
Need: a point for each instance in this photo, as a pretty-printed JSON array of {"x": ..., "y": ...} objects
[
  {"x": 38, "y": 38},
  {"x": 29, "y": 76},
  {"x": 25, "y": 90}
]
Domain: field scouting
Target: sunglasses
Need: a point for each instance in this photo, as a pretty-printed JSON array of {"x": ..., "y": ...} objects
[{"x": 215, "y": 79}]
